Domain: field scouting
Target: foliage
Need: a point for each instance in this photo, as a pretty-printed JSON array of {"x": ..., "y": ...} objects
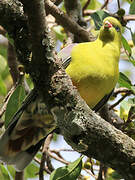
[
  {"x": 14, "y": 103},
  {"x": 69, "y": 172}
]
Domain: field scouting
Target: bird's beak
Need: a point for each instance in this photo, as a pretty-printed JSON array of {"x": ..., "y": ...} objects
[{"x": 107, "y": 25}]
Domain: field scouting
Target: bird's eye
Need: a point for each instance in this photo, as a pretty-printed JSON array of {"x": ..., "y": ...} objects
[{"x": 117, "y": 28}]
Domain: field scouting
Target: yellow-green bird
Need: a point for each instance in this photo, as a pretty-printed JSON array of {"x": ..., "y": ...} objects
[
  {"x": 94, "y": 65},
  {"x": 93, "y": 68}
]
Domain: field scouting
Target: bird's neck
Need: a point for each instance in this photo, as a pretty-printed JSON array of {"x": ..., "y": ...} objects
[
  {"x": 116, "y": 40},
  {"x": 110, "y": 37}
]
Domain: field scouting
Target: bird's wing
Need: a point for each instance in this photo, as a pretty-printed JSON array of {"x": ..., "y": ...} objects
[
  {"x": 29, "y": 127},
  {"x": 102, "y": 102},
  {"x": 24, "y": 135},
  {"x": 65, "y": 55}
]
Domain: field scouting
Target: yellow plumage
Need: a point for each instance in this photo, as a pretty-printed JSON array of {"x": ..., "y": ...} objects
[{"x": 94, "y": 65}]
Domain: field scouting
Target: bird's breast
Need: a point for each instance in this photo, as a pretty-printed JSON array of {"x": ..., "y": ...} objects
[{"x": 94, "y": 80}]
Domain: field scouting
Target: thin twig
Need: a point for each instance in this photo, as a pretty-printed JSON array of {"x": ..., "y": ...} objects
[
  {"x": 129, "y": 17},
  {"x": 118, "y": 2},
  {"x": 58, "y": 154},
  {"x": 122, "y": 90},
  {"x": 117, "y": 103},
  {"x": 45, "y": 167},
  {"x": 58, "y": 158},
  {"x": 43, "y": 159},
  {"x": 105, "y": 4},
  {"x": 90, "y": 173},
  {"x": 88, "y": 12},
  {"x": 64, "y": 20},
  {"x": 42, "y": 164},
  {"x": 86, "y": 5},
  {"x": 49, "y": 164},
  {"x": 62, "y": 149},
  {"x": 46, "y": 149},
  {"x": 102, "y": 172}
]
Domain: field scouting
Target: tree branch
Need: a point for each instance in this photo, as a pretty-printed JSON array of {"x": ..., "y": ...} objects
[
  {"x": 44, "y": 156},
  {"x": 15, "y": 23},
  {"x": 2, "y": 31},
  {"x": 67, "y": 22},
  {"x": 86, "y": 5},
  {"x": 12, "y": 63},
  {"x": 74, "y": 11},
  {"x": 19, "y": 175}
]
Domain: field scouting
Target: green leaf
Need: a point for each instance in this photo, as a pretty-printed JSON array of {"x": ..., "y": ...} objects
[
  {"x": 131, "y": 101},
  {"x": 133, "y": 89},
  {"x": 59, "y": 34},
  {"x": 31, "y": 171},
  {"x": 132, "y": 61},
  {"x": 126, "y": 46},
  {"x": 4, "y": 175},
  {"x": 55, "y": 137},
  {"x": 70, "y": 172},
  {"x": 133, "y": 37},
  {"x": 98, "y": 18},
  {"x": 3, "y": 63},
  {"x": 132, "y": 8},
  {"x": 39, "y": 155},
  {"x": 124, "y": 81},
  {"x": 29, "y": 81},
  {"x": 11, "y": 171},
  {"x": 124, "y": 109},
  {"x": 3, "y": 88},
  {"x": 3, "y": 52},
  {"x": 115, "y": 175},
  {"x": 14, "y": 103}
]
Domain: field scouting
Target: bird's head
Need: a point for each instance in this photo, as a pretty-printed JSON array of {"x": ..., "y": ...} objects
[{"x": 111, "y": 30}]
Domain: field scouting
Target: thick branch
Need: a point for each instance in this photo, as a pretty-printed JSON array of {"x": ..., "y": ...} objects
[
  {"x": 67, "y": 22},
  {"x": 15, "y": 23},
  {"x": 12, "y": 63},
  {"x": 74, "y": 11}
]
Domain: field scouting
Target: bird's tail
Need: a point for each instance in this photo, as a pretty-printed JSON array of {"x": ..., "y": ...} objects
[{"x": 26, "y": 132}]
